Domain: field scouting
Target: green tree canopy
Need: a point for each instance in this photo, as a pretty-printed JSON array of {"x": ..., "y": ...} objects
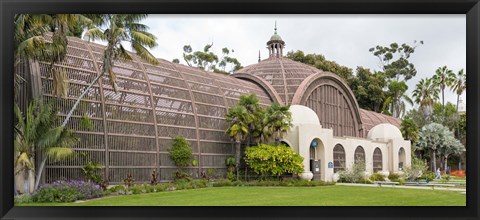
[
  {"x": 319, "y": 62},
  {"x": 209, "y": 61}
]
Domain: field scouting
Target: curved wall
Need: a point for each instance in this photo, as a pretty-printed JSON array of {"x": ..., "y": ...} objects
[{"x": 133, "y": 129}]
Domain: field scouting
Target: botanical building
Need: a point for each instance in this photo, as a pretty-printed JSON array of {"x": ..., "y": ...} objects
[{"x": 133, "y": 128}]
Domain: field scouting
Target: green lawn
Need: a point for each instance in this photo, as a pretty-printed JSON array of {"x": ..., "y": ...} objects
[{"x": 283, "y": 196}]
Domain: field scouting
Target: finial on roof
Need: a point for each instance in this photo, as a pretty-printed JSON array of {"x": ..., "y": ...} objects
[
  {"x": 275, "y": 27},
  {"x": 259, "y": 56}
]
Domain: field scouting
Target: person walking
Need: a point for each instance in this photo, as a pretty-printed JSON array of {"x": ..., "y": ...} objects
[{"x": 438, "y": 174}]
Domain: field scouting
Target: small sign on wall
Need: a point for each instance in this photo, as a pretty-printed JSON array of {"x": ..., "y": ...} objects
[{"x": 330, "y": 165}]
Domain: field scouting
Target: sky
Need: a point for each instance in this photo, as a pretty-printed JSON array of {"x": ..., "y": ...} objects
[{"x": 344, "y": 39}]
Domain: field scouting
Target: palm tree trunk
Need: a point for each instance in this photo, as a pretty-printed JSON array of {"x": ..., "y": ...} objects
[
  {"x": 434, "y": 160},
  {"x": 446, "y": 163},
  {"x": 69, "y": 115},
  {"x": 443, "y": 105},
  {"x": 237, "y": 157},
  {"x": 458, "y": 127},
  {"x": 40, "y": 171}
]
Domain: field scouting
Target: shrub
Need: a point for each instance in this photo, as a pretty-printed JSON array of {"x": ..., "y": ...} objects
[
  {"x": 428, "y": 176},
  {"x": 356, "y": 174},
  {"x": 394, "y": 177},
  {"x": 181, "y": 152},
  {"x": 137, "y": 189},
  {"x": 67, "y": 191},
  {"x": 180, "y": 175},
  {"x": 24, "y": 198},
  {"x": 268, "y": 160},
  {"x": 377, "y": 177},
  {"x": 197, "y": 184},
  {"x": 153, "y": 180},
  {"x": 129, "y": 181},
  {"x": 417, "y": 168}
]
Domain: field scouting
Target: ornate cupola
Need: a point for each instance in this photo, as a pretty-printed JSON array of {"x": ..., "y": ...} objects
[{"x": 275, "y": 45}]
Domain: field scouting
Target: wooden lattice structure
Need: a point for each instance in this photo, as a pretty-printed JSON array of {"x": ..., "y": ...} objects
[{"x": 133, "y": 129}]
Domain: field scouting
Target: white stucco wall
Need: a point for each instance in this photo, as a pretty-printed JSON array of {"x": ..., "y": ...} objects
[{"x": 386, "y": 137}]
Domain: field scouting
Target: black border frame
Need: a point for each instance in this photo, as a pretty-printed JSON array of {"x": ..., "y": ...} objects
[{"x": 10, "y": 7}]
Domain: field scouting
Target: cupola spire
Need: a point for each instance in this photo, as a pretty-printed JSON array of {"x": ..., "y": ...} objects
[{"x": 275, "y": 45}]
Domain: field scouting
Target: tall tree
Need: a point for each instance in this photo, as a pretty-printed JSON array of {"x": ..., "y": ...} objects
[
  {"x": 432, "y": 138},
  {"x": 395, "y": 103},
  {"x": 444, "y": 78},
  {"x": 237, "y": 119},
  {"x": 452, "y": 147},
  {"x": 425, "y": 94},
  {"x": 209, "y": 61},
  {"x": 394, "y": 60},
  {"x": 459, "y": 85},
  {"x": 395, "y": 65},
  {"x": 368, "y": 88}
]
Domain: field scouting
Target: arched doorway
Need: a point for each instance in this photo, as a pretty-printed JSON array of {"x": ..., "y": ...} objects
[
  {"x": 338, "y": 158},
  {"x": 316, "y": 158},
  {"x": 377, "y": 160},
  {"x": 401, "y": 158}
]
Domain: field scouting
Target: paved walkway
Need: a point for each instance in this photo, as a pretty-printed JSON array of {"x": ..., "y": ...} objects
[{"x": 403, "y": 187}]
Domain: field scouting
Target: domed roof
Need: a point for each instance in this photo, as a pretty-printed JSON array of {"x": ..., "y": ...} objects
[
  {"x": 275, "y": 37},
  {"x": 384, "y": 131},
  {"x": 303, "y": 115},
  {"x": 285, "y": 75}
]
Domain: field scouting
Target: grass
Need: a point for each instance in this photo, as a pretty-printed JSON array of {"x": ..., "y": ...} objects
[{"x": 283, "y": 196}]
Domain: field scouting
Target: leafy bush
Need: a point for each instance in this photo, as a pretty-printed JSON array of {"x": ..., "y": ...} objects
[
  {"x": 428, "y": 176},
  {"x": 394, "y": 177},
  {"x": 67, "y": 191},
  {"x": 377, "y": 177},
  {"x": 137, "y": 189},
  {"x": 417, "y": 168},
  {"x": 181, "y": 152},
  {"x": 24, "y": 198},
  {"x": 268, "y": 160},
  {"x": 180, "y": 175},
  {"x": 356, "y": 174}
]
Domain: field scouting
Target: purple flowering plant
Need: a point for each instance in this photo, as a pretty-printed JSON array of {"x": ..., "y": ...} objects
[{"x": 68, "y": 191}]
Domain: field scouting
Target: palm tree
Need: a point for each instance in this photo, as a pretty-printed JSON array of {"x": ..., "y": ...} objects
[
  {"x": 452, "y": 147},
  {"x": 29, "y": 40},
  {"x": 36, "y": 131},
  {"x": 459, "y": 85},
  {"x": 255, "y": 113},
  {"x": 238, "y": 119},
  {"x": 277, "y": 121},
  {"x": 443, "y": 77},
  {"x": 61, "y": 25},
  {"x": 118, "y": 28},
  {"x": 433, "y": 137},
  {"x": 395, "y": 102},
  {"x": 409, "y": 129},
  {"x": 425, "y": 94}
]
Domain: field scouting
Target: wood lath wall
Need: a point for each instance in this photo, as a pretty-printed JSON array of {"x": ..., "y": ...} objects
[{"x": 133, "y": 129}]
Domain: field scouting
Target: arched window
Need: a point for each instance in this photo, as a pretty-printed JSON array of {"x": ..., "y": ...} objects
[
  {"x": 359, "y": 154},
  {"x": 377, "y": 160},
  {"x": 401, "y": 158},
  {"x": 338, "y": 158}
]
